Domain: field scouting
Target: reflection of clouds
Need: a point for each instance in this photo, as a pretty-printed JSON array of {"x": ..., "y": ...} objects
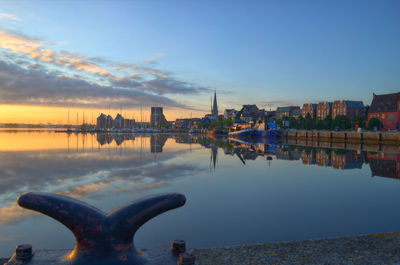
[
  {"x": 82, "y": 175},
  {"x": 12, "y": 213}
]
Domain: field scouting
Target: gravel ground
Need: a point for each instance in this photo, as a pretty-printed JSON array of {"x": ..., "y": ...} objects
[{"x": 366, "y": 249}]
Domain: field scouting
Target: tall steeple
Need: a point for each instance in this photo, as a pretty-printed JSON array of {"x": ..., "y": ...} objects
[{"x": 215, "y": 107}]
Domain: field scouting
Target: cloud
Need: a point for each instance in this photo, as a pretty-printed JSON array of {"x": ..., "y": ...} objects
[
  {"x": 153, "y": 60},
  {"x": 18, "y": 43},
  {"x": 95, "y": 81},
  {"x": 173, "y": 86},
  {"x": 37, "y": 86},
  {"x": 7, "y": 16},
  {"x": 160, "y": 86},
  {"x": 12, "y": 213},
  {"x": 274, "y": 103}
]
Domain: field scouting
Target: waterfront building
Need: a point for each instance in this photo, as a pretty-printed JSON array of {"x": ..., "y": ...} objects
[
  {"x": 271, "y": 115},
  {"x": 182, "y": 123},
  {"x": 324, "y": 109},
  {"x": 230, "y": 113},
  {"x": 247, "y": 113},
  {"x": 157, "y": 118},
  {"x": 101, "y": 121},
  {"x": 348, "y": 108},
  {"x": 289, "y": 111},
  {"x": 107, "y": 122},
  {"x": 309, "y": 108},
  {"x": 119, "y": 121},
  {"x": 386, "y": 108}
]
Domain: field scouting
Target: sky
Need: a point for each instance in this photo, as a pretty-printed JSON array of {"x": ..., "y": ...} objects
[{"x": 87, "y": 57}]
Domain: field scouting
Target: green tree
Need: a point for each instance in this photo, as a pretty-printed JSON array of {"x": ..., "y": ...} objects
[
  {"x": 308, "y": 122},
  {"x": 318, "y": 124},
  {"x": 359, "y": 121},
  {"x": 327, "y": 123},
  {"x": 342, "y": 122},
  {"x": 374, "y": 123},
  {"x": 367, "y": 110},
  {"x": 292, "y": 122},
  {"x": 229, "y": 122}
]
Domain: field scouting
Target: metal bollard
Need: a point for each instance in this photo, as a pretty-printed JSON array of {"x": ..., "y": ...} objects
[
  {"x": 23, "y": 252},
  {"x": 186, "y": 259},
  {"x": 178, "y": 246}
]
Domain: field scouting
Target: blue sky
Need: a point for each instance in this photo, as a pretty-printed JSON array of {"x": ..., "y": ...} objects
[{"x": 271, "y": 53}]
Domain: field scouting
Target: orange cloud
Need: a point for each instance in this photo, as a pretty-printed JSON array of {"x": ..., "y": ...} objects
[
  {"x": 36, "y": 49},
  {"x": 13, "y": 213}
]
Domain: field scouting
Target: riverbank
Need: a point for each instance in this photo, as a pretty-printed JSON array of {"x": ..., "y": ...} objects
[
  {"x": 344, "y": 136},
  {"x": 381, "y": 248}
]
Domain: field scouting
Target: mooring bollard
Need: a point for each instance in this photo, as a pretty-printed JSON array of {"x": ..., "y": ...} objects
[
  {"x": 23, "y": 252},
  {"x": 101, "y": 238},
  {"x": 178, "y": 246},
  {"x": 186, "y": 259}
]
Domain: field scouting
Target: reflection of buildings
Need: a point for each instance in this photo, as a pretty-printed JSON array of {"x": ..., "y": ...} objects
[
  {"x": 346, "y": 160},
  {"x": 214, "y": 154},
  {"x": 384, "y": 164},
  {"x": 287, "y": 154},
  {"x": 308, "y": 157},
  {"x": 157, "y": 142},
  {"x": 338, "y": 159},
  {"x": 323, "y": 158},
  {"x": 107, "y": 138}
]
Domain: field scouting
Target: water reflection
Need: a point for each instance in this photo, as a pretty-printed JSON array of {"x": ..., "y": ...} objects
[
  {"x": 103, "y": 168},
  {"x": 93, "y": 172}
]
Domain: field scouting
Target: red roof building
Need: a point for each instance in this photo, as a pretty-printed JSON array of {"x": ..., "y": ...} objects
[{"x": 386, "y": 108}]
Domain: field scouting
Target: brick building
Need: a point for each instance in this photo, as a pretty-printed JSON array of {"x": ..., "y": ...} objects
[
  {"x": 386, "y": 108},
  {"x": 289, "y": 111},
  {"x": 309, "y": 108},
  {"x": 324, "y": 109},
  {"x": 348, "y": 108}
]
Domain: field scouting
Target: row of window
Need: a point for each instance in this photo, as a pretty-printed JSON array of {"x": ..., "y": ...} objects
[{"x": 390, "y": 117}]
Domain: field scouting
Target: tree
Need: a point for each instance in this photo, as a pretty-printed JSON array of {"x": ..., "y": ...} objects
[
  {"x": 367, "y": 110},
  {"x": 300, "y": 123},
  {"x": 342, "y": 122},
  {"x": 308, "y": 122},
  {"x": 292, "y": 122},
  {"x": 327, "y": 122},
  {"x": 374, "y": 123},
  {"x": 318, "y": 124},
  {"x": 229, "y": 122},
  {"x": 359, "y": 121}
]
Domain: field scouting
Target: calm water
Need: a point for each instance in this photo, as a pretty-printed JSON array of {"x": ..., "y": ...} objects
[{"x": 237, "y": 192}]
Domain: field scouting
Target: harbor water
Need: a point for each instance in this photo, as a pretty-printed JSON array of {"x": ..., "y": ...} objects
[{"x": 238, "y": 191}]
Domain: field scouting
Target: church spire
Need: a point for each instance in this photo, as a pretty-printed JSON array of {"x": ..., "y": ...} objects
[{"x": 215, "y": 107}]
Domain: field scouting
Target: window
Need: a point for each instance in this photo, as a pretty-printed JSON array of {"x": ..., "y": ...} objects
[
  {"x": 391, "y": 117},
  {"x": 383, "y": 116}
]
